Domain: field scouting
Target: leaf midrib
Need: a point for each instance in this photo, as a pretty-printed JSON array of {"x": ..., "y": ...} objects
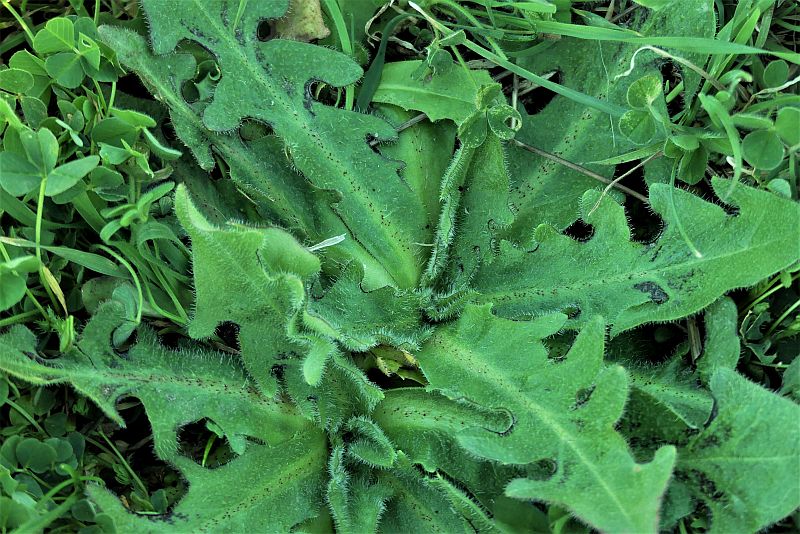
[
  {"x": 539, "y": 412},
  {"x": 341, "y": 169},
  {"x": 591, "y": 282}
]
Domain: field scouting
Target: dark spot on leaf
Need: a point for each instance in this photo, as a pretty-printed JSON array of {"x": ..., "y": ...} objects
[
  {"x": 729, "y": 209},
  {"x": 582, "y": 397},
  {"x": 657, "y": 295}
]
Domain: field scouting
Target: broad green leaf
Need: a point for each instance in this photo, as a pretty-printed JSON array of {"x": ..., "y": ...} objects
[
  {"x": 267, "y": 489},
  {"x": 67, "y": 175},
  {"x": 474, "y": 208},
  {"x": 544, "y": 191},
  {"x": 360, "y": 320},
  {"x": 260, "y": 168},
  {"x": 786, "y": 125},
  {"x": 262, "y": 294},
  {"x": 721, "y": 348},
  {"x": 176, "y": 388},
  {"x": 563, "y": 412},
  {"x": 15, "y": 80},
  {"x": 417, "y": 505},
  {"x": 58, "y": 35},
  {"x": 65, "y": 68},
  {"x": 763, "y": 149},
  {"x": 745, "y": 464},
  {"x": 328, "y": 146},
  {"x": 449, "y": 95},
  {"x": 427, "y": 149},
  {"x": 674, "y": 387},
  {"x": 632, "y": 283},
  {"x": 19, "y": 176},
  {"x": 424, "y": 425}
]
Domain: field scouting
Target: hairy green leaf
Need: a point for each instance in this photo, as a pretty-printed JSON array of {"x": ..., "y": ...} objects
[
  {"x": 563, "y": 412},
  {"x": 417, "y": 505},
  {"x": 360, "y": 320},
  {"x": 674, "y": 387},
  {"x": 176, "y": 388},
  {"x": 544, "y": 191},
  {"x": 285, "y": 493},
  {"x": 267, "y": 81},
  {"x": 632, "y": 283},
  {"x": 426, "y": 148},
  {"x": 263, "y": 294},
  {"x": 259, "y": 167},
  {"x": 474, "y": 206},
  {"x": 746, "y": 463},
  {"x": 448, "y": 95},
  {"x": 721, "y": 348}
]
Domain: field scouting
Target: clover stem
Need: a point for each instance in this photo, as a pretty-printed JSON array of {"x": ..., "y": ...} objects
[
  {"x": 113, "y": 94},
  {"x": 19, "y": 19},
  {"x": 134, "y": 477},
  {"x": 783, "y": 317},
  {"x": 39, "y": 216},
  {"x": 16, "y": 318},
  {"x": 24, "y": 414}
]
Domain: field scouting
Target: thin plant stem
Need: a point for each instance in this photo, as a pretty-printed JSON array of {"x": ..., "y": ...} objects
[{"x": 583, "y": 170}]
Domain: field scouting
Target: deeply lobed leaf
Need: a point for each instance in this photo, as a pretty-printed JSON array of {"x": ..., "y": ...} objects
[
  {"x": 563, "y": 415},
  {"x": 633, "y": 283},
  {"x": 269, "y": 81}
]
